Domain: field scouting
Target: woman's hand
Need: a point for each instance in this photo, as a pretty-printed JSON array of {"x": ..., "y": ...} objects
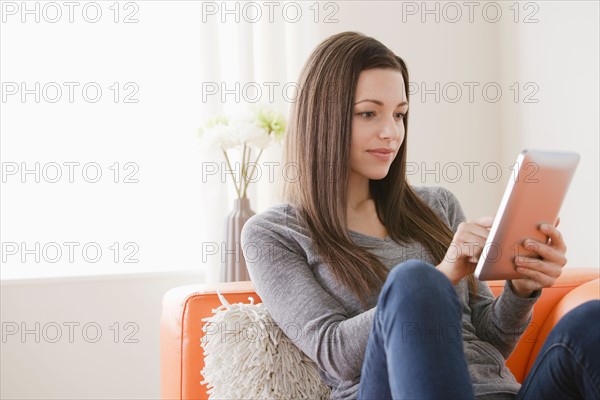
[
  {"x": 465, "y": 249},
  {"x": 540, "y": 272}
]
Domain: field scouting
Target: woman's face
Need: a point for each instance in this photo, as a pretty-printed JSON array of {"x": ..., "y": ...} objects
[{"x": 377, "y": 122}]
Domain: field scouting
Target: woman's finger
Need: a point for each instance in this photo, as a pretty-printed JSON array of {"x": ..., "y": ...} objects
[
  {"x": 468, "y": 233},
  {"x": 479, "y": 231},
  {"x": 534, "y": 264},
  {"x": 478, "y": 227},
  {"x": 485, "y": 221},
  {"x": 474, "y": 241},
  {"x": 545, "y": 251},
  {"x": 540, "y": 278},
  {"x": 556, "y": 239}
]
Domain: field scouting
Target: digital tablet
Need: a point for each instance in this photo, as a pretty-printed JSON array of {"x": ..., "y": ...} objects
[{"x": 534, "y": 194}]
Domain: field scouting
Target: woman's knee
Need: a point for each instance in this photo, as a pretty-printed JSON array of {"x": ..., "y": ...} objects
[
  {"x": 581, "y": 322},
  {"x": 417, "y": 282},
  {"x": 416, "y": 274}
]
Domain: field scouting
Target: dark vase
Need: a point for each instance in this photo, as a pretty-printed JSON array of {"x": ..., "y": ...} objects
[{"x": 233, "y": 268}]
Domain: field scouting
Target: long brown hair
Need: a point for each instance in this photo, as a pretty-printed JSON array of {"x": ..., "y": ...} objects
[{"x": 318, "y": 143}]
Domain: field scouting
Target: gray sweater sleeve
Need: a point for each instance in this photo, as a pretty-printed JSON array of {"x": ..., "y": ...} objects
[
  {"x": 500, "y": 321},
  {"x": 315, "y": 321}
]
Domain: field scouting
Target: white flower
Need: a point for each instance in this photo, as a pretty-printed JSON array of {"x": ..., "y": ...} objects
[
  {"x": 256, "y": 129},
  {"x": 235, "y": 133},
  {"x": 217, "y": 136},
  {"x": 249, "y": 133}
]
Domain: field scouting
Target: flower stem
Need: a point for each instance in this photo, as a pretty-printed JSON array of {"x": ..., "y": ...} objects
[
  {"x": 230, "y": 169},
  {"x": 244, "y": 171},
  {"x": 253, "y": 168}
]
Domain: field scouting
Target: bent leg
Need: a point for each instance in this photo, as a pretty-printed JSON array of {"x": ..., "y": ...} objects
[
  {"x": 415, "y": 349},
  {"x": 568, "y": 365}
]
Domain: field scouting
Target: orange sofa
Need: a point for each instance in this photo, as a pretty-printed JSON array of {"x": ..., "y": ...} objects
[{"x": 181, "y": 358}]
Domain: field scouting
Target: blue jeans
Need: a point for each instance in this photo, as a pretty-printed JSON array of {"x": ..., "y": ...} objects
[
  {"x": 415, "y": 348},
  {"x": 568, "y": 365}
]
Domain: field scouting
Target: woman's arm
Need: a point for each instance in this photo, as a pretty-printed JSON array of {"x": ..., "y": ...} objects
[
  {"x": 316, "y": 322},
  {"x": 500, "y": 321},
  {"x": 511, "y": 312}
]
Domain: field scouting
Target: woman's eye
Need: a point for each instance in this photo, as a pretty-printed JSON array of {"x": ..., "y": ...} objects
[
  {"x": 372, "y": 114},
  {"x": 367, "y": 114}
]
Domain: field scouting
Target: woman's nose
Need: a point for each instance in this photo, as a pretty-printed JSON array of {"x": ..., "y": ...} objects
[{"x": 390, "y": 129}]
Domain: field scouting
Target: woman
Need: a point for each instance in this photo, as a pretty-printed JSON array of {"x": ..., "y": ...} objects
[{"x": 371, "y": 277}]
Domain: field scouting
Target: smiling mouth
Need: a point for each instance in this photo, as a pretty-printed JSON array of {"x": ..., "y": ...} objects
[{"x": 381, "y": 155}]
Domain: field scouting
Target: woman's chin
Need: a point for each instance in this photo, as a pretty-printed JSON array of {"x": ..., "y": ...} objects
[{"x": 375, "y": 176}]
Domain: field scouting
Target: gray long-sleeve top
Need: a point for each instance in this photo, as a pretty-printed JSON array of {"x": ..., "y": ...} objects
[{"x": 328, "y": 323}]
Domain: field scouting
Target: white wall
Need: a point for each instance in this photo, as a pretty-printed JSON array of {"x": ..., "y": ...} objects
[{"x": 116, "y": 362}]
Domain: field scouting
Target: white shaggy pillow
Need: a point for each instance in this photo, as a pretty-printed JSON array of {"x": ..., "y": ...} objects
[{"x": 247, "y": 356}]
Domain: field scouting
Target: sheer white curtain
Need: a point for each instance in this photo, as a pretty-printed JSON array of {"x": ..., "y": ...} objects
[{"x": 246, "y": 63}]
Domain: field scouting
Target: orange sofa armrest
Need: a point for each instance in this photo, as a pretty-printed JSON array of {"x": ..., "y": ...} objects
[
  {"x": 584, "y": 293},
  {"x": 521, "y": 360},
  {"x": 181, "y": 354}
]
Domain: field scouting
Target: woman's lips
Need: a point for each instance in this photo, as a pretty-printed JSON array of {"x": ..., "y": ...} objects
[{"x": 381, "y": 155}]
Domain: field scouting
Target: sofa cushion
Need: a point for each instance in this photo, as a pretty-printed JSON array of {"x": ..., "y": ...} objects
[{"x": 247, "y": 356}]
